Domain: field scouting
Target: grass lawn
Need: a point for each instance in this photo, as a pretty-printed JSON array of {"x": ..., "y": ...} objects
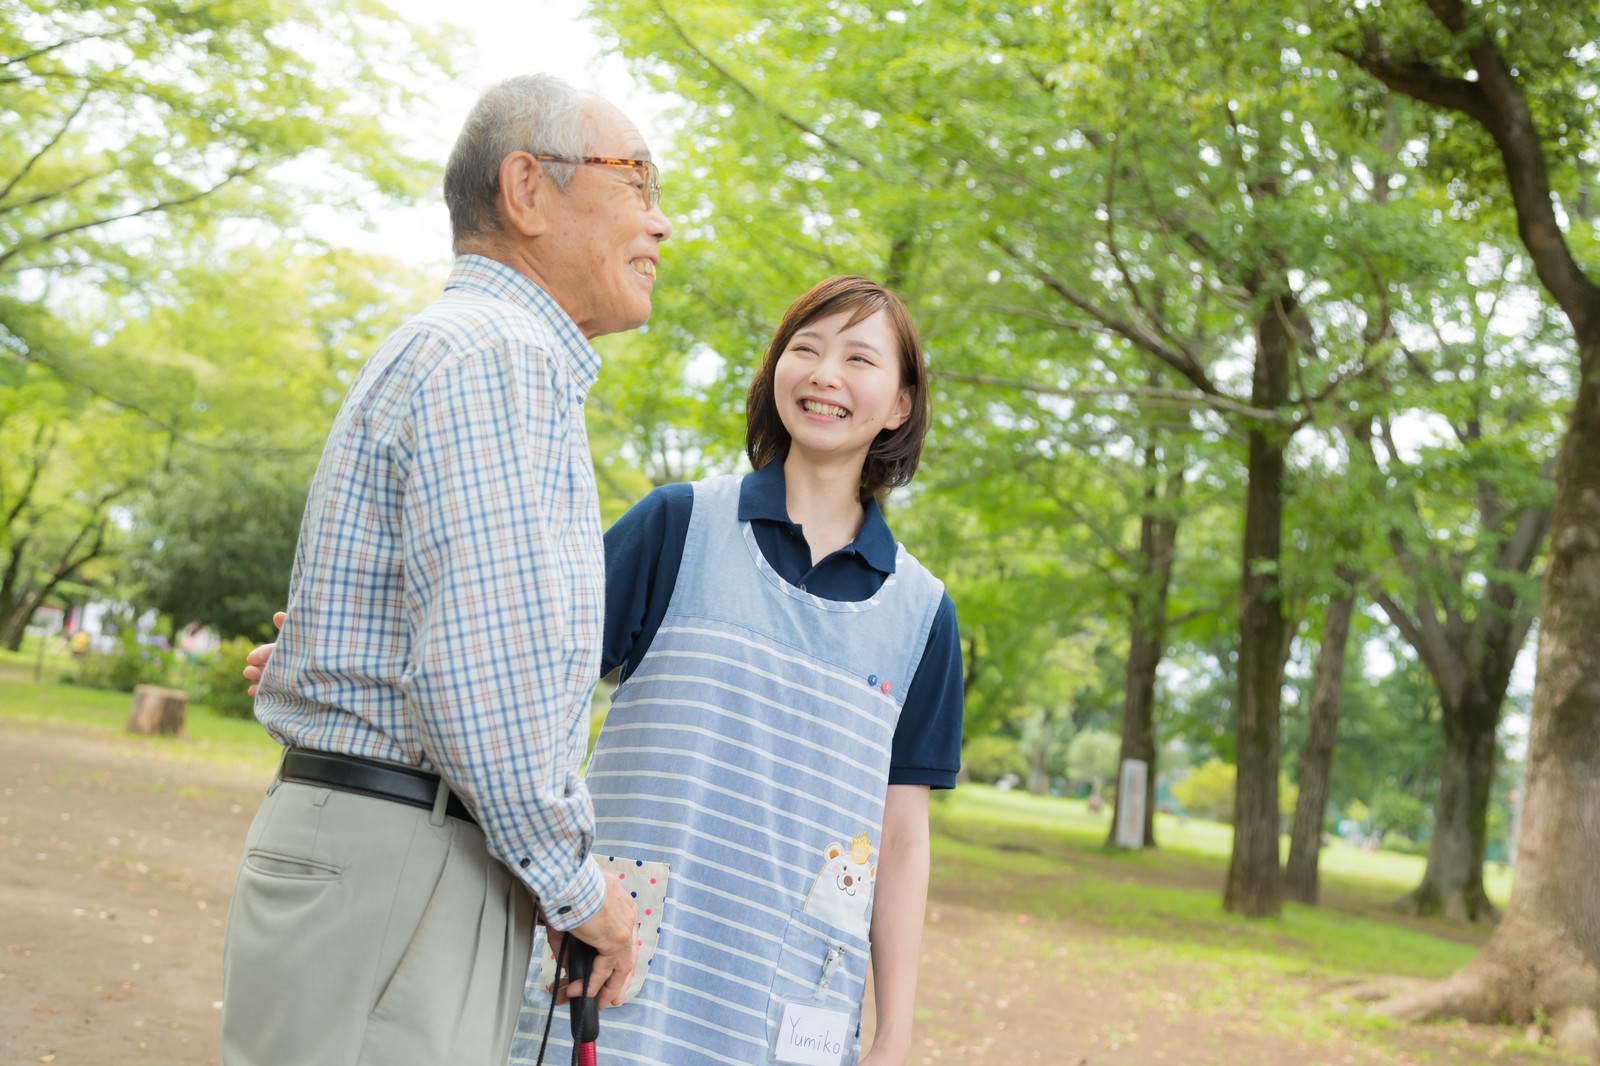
[
  {"x": 1375, "y": 875},
  {"x": 1030, "y": 859},
  {"x": 207, "y": 736},
  {"x": 46, "y": 656},
  {"x": 1160, "y": 912}
]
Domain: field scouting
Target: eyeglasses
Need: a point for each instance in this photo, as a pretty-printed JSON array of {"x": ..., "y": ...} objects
[{"x": 650, "y": 190}]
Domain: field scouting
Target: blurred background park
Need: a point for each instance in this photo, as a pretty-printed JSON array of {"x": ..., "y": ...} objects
[{"x": 1250, "y": 375}]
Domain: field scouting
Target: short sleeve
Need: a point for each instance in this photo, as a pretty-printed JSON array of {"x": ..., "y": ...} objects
[
  {"x": 927, "y": 740},
  {"x": 644, "y": 549}
]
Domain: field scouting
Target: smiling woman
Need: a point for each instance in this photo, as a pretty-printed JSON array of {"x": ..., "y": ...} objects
[{"x": 790, "y": 692}]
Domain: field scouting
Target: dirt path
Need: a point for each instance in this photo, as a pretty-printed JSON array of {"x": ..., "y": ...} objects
[
  {"x": 117, "y": 858},
  {"x": 118, "y": 862}
]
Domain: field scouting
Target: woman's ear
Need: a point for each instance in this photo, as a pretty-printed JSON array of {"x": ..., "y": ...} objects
[{"x": 902, "y": 410}]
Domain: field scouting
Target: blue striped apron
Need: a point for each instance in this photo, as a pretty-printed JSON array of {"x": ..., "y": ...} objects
[{"x": 749, "y": 753}]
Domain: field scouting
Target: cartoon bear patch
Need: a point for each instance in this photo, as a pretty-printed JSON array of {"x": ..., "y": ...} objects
[{"x": 843, "y": 889}]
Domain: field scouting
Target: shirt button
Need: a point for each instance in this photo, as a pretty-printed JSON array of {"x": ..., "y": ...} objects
[
  {"x": 563, "y": 910},
  {"x": 526, "y": 863},
  {"x": 802, "y": 586}
]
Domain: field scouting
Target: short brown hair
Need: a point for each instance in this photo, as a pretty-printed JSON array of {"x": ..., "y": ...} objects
[{"x": 892, "y": 459}]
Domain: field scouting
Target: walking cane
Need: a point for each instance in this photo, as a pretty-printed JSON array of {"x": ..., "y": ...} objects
[
  {"x": 585, "y": 1012},
  {"x": 577, "y": 958}
]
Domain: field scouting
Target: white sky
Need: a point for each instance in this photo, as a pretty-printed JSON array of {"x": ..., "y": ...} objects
[{"x": 502, "y": 39}]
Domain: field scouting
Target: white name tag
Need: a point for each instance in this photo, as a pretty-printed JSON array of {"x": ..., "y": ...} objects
[{"x": 811, "y": 1035}]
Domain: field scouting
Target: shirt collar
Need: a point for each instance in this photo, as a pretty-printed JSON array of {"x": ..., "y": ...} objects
[
  {"x": 494, "y": 279},
  {"x": 763, "y": 496}
]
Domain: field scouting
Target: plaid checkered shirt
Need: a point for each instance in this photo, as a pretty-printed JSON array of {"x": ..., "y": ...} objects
[{"x": 445, "y": 607}]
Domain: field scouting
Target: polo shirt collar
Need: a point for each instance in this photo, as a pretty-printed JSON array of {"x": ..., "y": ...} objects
[
  {"x": 763, "y": 496},
  {"x": 489, "y": 277}
]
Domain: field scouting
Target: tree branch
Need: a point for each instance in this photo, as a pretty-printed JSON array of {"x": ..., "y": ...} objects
[
  {"x": 66, "y": 124},
  {"x": 1055, "y": 322},
  {"x": 1155, "y": 320},
  {"x": 1497, "y": 103},
  {"x": 739, "y": 84},
  {"x": 1333, "y": 385},
  {"x": 1178, "y": 360},
  {"x": 173, "y": 431},
  {"x": 1159, "y": 396},
  {"x": 1210, "y": 609},
  {"x": 56, "y": 193},
  {"x": 40, "y": 458},
  {"x": 1522, "y": 546},
  {"x": 163, "y": 205},
  {"x": 1106, "y": 537},
  {"x": 1426, "y": 637},
  {"x": 1419, "y": 80}
]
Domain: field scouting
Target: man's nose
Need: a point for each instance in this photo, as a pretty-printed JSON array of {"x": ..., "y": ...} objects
[{"x": 660, "y": 226}]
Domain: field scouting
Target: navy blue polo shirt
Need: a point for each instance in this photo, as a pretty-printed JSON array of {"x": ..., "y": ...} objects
[{"x": 645, "y": 547}]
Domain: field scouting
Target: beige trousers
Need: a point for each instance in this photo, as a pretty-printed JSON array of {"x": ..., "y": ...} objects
[{"x": 365, "y": 932}]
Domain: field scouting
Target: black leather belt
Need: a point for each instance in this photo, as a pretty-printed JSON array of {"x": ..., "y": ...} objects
[{"x": 369, "y": 777}]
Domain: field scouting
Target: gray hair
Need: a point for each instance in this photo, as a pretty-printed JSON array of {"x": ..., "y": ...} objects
[{"x": 534, "y": 113}]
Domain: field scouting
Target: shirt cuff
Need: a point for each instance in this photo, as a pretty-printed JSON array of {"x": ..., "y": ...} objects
[
  {"x": 579, "y": 901},
  {"x": 922, "y": 775}
]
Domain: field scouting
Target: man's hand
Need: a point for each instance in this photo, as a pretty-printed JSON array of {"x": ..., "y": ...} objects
[
  {"x": 259, "y": 655},
  {"x": 613, "y": 933}
]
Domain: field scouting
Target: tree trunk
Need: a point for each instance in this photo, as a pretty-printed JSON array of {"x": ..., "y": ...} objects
[
  {"x": 1452, "y": 884},
  {"x": 12, "y": 595},
  {"x": 1038, "y": 780},
  {"x": 157, "y": 711},
  {"x": 1544, "y": 959},
  {"x": 11, "y": 634},
  {"x": 1147, "y": 636},
  {"x": 1138, "y": 725},
  {"x": 1255, "y": 883},
  {"x": 14, "y": 616},
  {"x": 14, "y": 622},
  {"x": 21, "y": 596},
  {"x": 1316, "y": 758}
]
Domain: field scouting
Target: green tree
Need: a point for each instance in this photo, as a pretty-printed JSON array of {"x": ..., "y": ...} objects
[
  {"x": 1093, "y": 756},
  {"x": 213, "y": 531},
  {"x": 1515, "y": 86},
  {"x": 1208, "y": 791},
  {"x": 65, "y": 461},
  {"x": 220, "y": 545},
  {"x": 1068, "y": 227},
  {"x": 993, "y": 756},
  {"x": 142, "y": 143},
  {"x": 1316, "y": 753}
]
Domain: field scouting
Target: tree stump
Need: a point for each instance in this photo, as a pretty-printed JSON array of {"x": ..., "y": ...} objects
[{"x": 157, "y": 710}]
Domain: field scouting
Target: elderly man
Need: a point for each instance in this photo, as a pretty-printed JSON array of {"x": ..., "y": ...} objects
[{"x": 432, "y": 682}]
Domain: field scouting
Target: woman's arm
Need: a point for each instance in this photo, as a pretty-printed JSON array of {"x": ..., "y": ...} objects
[{"x": 900, "y": 900}]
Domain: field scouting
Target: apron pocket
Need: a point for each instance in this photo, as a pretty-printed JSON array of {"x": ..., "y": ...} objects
[
  {"x": 647, "y": 882},
  {"x": 820, "y": 965}
]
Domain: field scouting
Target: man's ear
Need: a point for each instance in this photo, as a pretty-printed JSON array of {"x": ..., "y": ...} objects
[{"x": 524, "y": 196}]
